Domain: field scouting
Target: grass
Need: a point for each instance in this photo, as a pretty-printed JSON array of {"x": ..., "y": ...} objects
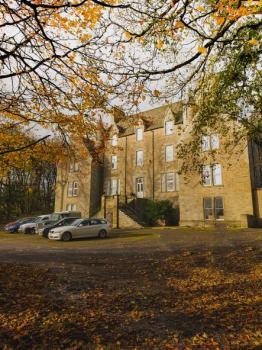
[{"x": 116, "y": 237}]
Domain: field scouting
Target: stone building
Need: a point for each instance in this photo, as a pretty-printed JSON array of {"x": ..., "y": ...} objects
[{"x": 140, "y": 163}]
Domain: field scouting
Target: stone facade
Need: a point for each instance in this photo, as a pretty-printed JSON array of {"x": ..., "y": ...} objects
[
  {"x": 78, "y": 198},
  {"x": 140, "y": 161}
]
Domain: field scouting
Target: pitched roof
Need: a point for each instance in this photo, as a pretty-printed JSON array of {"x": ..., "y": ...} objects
[{"x": 152, "y": 119}]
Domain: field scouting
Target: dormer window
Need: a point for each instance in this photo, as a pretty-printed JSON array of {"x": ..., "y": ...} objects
[
  {"x": 139, "y": 134},
  {"x": 114, "y": 140},
  {"x": 169, "y": 127}
]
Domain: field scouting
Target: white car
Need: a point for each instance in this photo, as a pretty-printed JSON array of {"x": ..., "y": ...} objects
[
  {"x": 81, "y": 228},
  {"x": 31, "y": 226}
]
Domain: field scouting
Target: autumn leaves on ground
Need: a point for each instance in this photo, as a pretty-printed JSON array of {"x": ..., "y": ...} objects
[{"x": 199, "y": 299}]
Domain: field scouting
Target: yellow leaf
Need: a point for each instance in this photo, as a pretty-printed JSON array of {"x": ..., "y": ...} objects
[
  {"x": 128, "y": 35},
  {"x": 179, "y": 24},
  {"x": 220, "y": 20},
  {"x": 200, "y": 8},
  {"x": 202, "y": 49},
  {"x": 159, "y": 44},
  {"x": 253, "y": 41},
  {"x": 156, "y": 93}
]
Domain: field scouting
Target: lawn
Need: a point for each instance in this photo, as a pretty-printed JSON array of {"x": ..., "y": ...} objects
[
  {"x": 184, "y": 299},
  {"x": 116, "y": 237}
]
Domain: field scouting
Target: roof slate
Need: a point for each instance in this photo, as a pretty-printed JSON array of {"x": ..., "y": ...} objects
[{"x": 152, "y": 119}]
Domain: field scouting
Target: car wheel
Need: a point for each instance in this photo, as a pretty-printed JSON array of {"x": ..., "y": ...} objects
[
  {"x": 66, "y": 236},
  {"x": 28, "y": 230},
  {"x": 102, "y": 234}
]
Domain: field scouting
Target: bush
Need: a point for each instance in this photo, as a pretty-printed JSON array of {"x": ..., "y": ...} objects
[{"x": 160, "y": 210}]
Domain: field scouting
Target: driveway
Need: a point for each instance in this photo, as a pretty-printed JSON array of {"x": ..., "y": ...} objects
[
  {"x": 26, "y": 248},
  {"x": 151, "y": 289}
]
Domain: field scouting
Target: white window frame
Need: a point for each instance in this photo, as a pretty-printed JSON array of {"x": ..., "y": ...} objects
[
  {"x": 217, "y": 174},
  {"x": 173, "y": 179},
  {"x": 140, "y": 185},
  {"x": 75, "y": 189},
  {"x": 213, "y": 209},
  {"x": 207, "y": 175},
  {"x": 212, "y": 175},
  {"x": 114, "y": 140},
  {"x": 114, "y": 187},
  {"x": 114, "y": 162},
  {"x": 70, "y": 189},
  {"x": 214, "y": 141},
  {"x": 205, "y": 142},
  {"x": 71, "y": 207},
  {"x": 139, "y": 159},
  {"x": 210, "y": 142},
  {"x": 169, "y": 127},
  {"x": 139, "y": 134},
  {"x": 169, "y": 157},
  {"x": 73, "y": 167}
]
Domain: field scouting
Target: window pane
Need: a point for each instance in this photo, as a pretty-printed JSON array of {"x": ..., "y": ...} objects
[
  {"x": 170, "y": 182},
  {"x": 70, "y": 189},
  {"x": 206, "y": 175},
  {"x": 76, "y": 167},
  {"x": 114, "y": 162},
  {"x": 114, "y": 140},
  {"x": 214, "y": 139},
  {"x": 163, "y": 182},
  {"x": 208, "y": 208},
  {"x": 217, "y": 174},
  {"x": 219, "y": 208},
  {"x": 114, "y": 187},
  {"x": 139, "y": 158},
  {"x": 169, "y": 153},
  {"x": 177, "y": 182},
  {"x": 107, "y": 188},
  {"x": 139, "y": 134},
  {"x": 75, "y": 188},
  {"x": 205, "y": 143},
  {"x": 118, "y": 186},
  {"x": 169, "y": 127}
]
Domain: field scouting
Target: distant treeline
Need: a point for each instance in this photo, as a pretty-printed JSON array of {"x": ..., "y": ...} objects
[{"x": 24, "y": 192}]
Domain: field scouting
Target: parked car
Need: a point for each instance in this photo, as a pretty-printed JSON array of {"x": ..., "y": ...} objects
[
  {"x": 14, "y": 226},
  {"x": 31, "y": 226},
  {"x": 56, "y": 217},
  {"x": 64, "y": 222},
  {"x": 81, "y": 228}
]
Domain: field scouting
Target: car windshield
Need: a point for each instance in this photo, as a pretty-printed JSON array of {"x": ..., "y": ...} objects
[
  {"x": 55, "y": 217},
  {"x": 76, "y": 222},
  {"x": 28, "y": 220},
  {"x": 39, "y": 219}
]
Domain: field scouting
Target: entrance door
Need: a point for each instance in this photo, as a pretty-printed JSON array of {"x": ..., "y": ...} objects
[{"x": 140, "y": 187}]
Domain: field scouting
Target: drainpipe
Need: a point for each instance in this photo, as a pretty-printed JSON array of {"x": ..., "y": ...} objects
[
  {"x": 153, "y": 164},
  {"x": 252, "y": 163},
  {"x": 125, "y": 168}
]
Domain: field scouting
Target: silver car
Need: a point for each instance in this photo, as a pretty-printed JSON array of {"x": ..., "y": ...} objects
[{"x": 81, "y": 228}]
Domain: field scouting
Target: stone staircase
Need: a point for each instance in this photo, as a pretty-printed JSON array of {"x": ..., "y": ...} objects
[{"x": 130, "y": 213}]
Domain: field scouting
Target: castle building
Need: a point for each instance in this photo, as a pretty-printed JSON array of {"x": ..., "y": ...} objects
[{"x": 140, "y": 162}]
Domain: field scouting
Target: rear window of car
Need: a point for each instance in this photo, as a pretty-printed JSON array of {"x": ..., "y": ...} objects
[
  {"x": 95, "y": 222},
  {"x": 69, "y": 220}
]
